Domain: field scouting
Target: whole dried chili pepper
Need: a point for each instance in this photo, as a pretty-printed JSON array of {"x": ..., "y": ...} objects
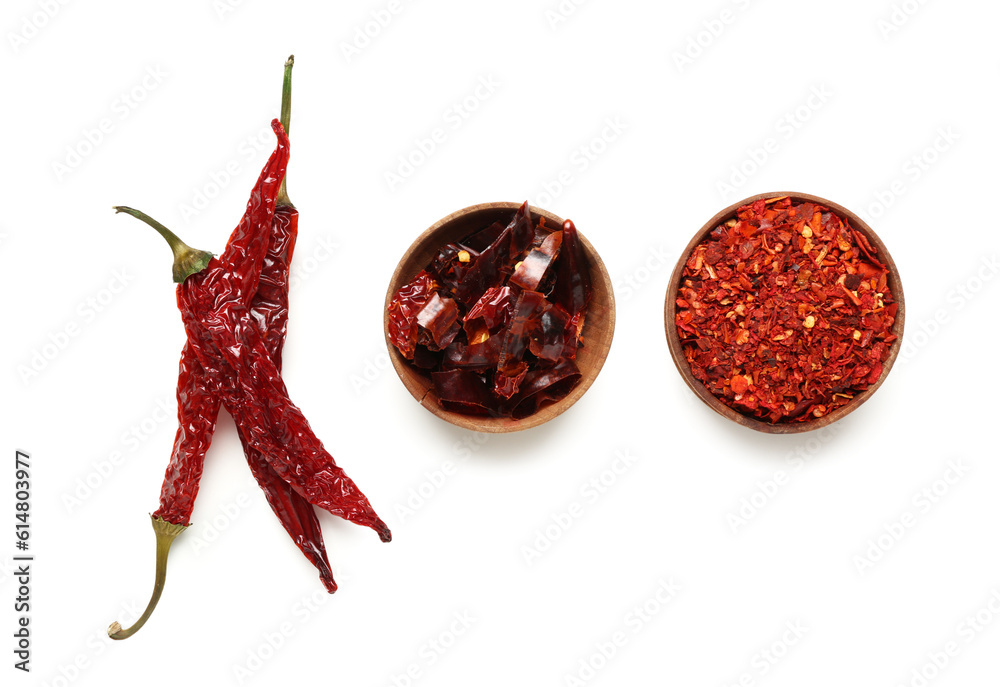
[
  {"x": 199, "y": 388},
  {"x": 270, "y": 308}
]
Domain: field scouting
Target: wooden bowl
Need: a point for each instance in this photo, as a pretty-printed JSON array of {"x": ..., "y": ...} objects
[
  {"x": 598, "y": 329},
  {"x": 677, "y": 353}
]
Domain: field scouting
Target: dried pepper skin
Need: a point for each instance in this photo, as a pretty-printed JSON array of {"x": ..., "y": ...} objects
[
  {"x": 439, "y": 320},
  {"x": 491, "y": 313},
  {"x": 573, "y": 287},
  {"x": 521, "y": 231},
  {"x": 409, "y": 301},
  {"x": 545, "y": 385},
  {"x": 462, "y": 391},
  {"x": 515, "y": 348},
  {"x": 554, "y": 334},
  {"x": 530, "y": 272},
  {"x": 478, "y": 357},
  {"x": 448, "y": 269},
  {"x": 517, "y": 338},
  {"x": 784, "y": 312},
  {"x": 485, "y": 271}
]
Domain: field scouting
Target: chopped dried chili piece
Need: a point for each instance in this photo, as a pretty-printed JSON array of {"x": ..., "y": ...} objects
[
  {"x": 529, "y": 273},
  {"x": 497, "y": 317},
  {"x": 409, "y": 300},
  {"x": 554, "y": 335},
  {"x": 551, "y": 244},
  {"x": 463, "y": 391},
  {"x": 480, "y": 357},
  {"x": 491, "y": 313},
  {"x": 783, "y": 312},
  {"x": 545, "y": 385},
  {"x": 517, "y": 336},
  {"x": 439, "y": 319},
  {"x": 572, "y": 290}
]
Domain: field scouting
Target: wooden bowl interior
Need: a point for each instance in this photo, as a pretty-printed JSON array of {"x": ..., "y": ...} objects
[
  {"x": 598, "y": 329},
  {"x": 677, "y": 352}
]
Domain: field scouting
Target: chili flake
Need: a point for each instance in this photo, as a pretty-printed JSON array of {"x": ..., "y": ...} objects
[{"x": 784, "y": 312}]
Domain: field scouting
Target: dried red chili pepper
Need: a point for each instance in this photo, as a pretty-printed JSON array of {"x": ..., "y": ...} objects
[
  {"x": 254, "y": 393},
  {"x": 496, "y": 317},
  {"x": 784, "y": 312},
  {"x": 252, "y": 275},
  {"x": 269, "y": 308},
  {"x": 198, "y": 387}
]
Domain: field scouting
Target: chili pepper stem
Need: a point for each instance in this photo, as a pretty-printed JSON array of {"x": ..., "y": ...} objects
[
  {"x": 187, "y": 260},
  {"x": 286, "y": 121},
  {"x": 166, "y": 532}
]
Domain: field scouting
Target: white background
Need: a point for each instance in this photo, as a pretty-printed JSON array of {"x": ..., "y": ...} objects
[{"x": 891, "y": 91}]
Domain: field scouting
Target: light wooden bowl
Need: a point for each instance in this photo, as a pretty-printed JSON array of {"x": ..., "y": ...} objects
[
  {"x": 598, "y": 329},
  {"x": 677, "y": 353}
]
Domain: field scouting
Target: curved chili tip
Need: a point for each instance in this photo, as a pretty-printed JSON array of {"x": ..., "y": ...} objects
[
  {"x": 383, "y": 531},
  {"x": 166, "y": 532}
]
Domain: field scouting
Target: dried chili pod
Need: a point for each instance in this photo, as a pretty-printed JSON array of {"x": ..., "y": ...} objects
[
  {"x": 269, "y": 308},
  {"x": 195, "y": 407},
  {"x": 255, "y": 395},
  {"x": 266, "y": 295}
]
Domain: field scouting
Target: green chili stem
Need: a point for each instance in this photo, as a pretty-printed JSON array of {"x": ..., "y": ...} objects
[
  {"x": 187, "y": 260},
  {"x": 286, "y": 121},
  {"x": 166, "y": 532}
]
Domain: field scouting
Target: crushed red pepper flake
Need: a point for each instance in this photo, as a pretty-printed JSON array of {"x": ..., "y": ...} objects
[{"x": 784, "y": 312}]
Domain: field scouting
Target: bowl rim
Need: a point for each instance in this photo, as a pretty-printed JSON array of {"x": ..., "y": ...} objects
[
  {"x": 702, "y": 392},
  {"x": 487, "y": 424}
]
